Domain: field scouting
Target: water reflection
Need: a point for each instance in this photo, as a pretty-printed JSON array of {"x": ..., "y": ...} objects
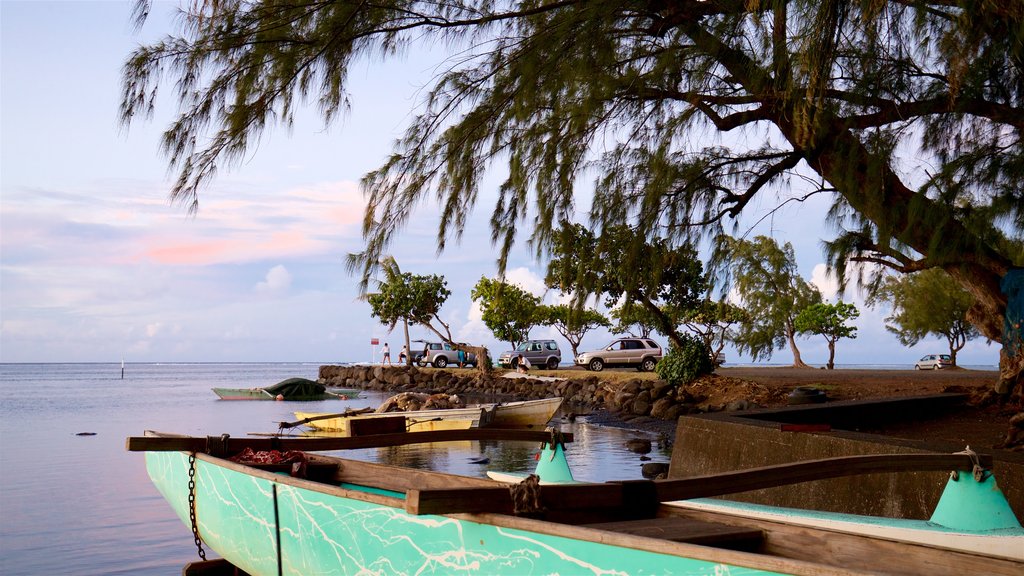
[{"x": 74, "y": 501}]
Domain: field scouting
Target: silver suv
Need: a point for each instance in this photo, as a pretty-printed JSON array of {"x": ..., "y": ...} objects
[
  {"x": 540, "y": 353},
  {"x": 642, "y": 353},
  {"x": 439, "y": 355}
]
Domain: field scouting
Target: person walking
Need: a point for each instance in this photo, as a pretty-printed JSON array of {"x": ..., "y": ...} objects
[{"x": 387, "y": 355}]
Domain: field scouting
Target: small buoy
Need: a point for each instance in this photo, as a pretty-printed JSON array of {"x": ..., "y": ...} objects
[
  {"x": 279, "y": 397},
  {"x": 86, "y": 434}
]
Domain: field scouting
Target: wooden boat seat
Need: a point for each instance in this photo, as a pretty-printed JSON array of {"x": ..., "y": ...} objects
[{"x": 688, "y": 530}]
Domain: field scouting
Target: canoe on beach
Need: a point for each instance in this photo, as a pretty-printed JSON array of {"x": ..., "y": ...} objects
[
  {"x": 521, "y": 414},
  {"x": 340, "y": 516},
  {"x": 381, "y": 423},
  {"x": 294, "y": 389}
]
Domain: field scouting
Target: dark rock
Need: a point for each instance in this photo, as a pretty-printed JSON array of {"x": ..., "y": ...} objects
[
  {"x": 631, "y": 386},
  {"x": 639, "y": 445},
  {"x": 654, "y": 470},
  {"x": 640, "y": 407},
  {"x": 662, "y": 408},
  {"x": 660, "y": 389}
]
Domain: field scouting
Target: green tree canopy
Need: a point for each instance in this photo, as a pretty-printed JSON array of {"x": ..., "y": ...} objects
[
  {"x": 927, "y": 303},
  {"x": 572, "y": 323},
  {"x": 713, "y": 323},
  {"x": 508, "y": 310},
  {"x": 415, "y": 298},
  {"x": 828, "y": 320},
  {"x": 773, "y": 293},
  {"x": 620, "y": 265},
  {"x": 633, "y": 319},
  {"x": 906, "y": 114}
]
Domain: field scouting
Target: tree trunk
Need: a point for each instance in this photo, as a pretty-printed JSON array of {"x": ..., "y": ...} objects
[
  {"x": 408, "y": 343},
  {"x": 665, "y": 324},
  {"x": 483, "y": 360},
  {"x": 831, "y": 355},
  {"x": 797, "y": 361}
]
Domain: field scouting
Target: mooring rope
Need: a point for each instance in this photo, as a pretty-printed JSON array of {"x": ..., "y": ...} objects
[{"x": 978, "y": 471}]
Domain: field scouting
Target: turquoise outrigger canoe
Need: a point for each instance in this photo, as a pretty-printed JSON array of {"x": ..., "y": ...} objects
[{"x": 352, "y": 517}]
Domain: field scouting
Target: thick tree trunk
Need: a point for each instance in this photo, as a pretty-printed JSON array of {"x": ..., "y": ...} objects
[
  {"x": 483, "y": 359},
  {"x": 797, "y": 361}
]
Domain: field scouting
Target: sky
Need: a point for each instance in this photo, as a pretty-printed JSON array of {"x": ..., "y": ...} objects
[{"x": 96, "y": 265}]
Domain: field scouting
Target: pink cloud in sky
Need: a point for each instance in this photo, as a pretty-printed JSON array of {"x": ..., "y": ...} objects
[{"x": 187, "y": 253}]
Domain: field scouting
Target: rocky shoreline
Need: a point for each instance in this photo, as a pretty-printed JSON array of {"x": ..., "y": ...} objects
[{"x": 642, "y": 402}]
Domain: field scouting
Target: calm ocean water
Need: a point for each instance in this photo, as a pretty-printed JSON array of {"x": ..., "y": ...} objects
[{"x": 83, "y": 505}]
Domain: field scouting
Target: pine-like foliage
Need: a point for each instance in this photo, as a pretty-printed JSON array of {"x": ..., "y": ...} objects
[{"x": 907, "y": 113}]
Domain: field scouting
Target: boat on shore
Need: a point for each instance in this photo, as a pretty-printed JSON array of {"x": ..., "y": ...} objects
[
  {"x": 522, "y": 414},
  {"x": 272, "y": 506},
  {"x": 357, "y": 424},
  {"x": 291, "y": 389}
]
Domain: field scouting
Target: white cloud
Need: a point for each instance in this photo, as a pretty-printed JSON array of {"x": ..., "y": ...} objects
[
  {"x": 527, "y": 280},
  {"x": 277, "y": 281},
  {"x": 474, "y": 330},
  {"x": 825, "y": 281}
]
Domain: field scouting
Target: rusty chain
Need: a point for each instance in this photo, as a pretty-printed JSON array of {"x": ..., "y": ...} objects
[{"x": 192, "y": 503}]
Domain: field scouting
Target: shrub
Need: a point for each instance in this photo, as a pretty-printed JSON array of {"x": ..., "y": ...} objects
[{"x": 685, "y": 364}]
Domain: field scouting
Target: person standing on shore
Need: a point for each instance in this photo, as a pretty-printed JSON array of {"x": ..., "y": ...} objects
[
  {"x": 403, "y": 354},
  {"x": 387, "y": 355}
]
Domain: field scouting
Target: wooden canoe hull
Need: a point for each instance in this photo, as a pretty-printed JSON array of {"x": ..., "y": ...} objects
[
  {"x": 524, "y": 414},
  {"x": 418, "y": 421},
  {"x": 362, "y": 517},
  {"x": 255, "y": 519}
]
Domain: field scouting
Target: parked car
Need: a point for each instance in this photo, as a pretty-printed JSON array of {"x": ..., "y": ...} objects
[
  {"x": 718, "y": 359},
  {"x": 439, "y": 355},
  {"x": 934, "y": 362},
  {"x": 540, "y": 353},
  {"x": 642, "y": 353}
]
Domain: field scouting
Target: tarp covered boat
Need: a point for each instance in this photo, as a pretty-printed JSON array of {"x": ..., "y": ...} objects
[
  {"x": 289, "y": 389},
  {"x": 349, "y": 516}
]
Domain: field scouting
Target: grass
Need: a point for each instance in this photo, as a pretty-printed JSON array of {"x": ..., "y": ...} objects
[{"x": 612, "y": 376}]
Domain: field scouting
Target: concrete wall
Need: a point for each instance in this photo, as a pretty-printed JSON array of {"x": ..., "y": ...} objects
[{"x": 719, "y": 443}]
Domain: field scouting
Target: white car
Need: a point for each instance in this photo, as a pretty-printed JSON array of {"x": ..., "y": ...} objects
[{"x": 934, "y": 362}]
